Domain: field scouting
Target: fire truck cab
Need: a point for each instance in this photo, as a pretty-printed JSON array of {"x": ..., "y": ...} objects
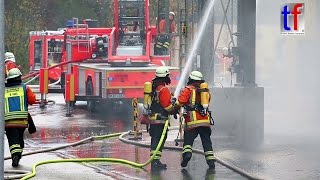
[{"x": 48, "y": 53}]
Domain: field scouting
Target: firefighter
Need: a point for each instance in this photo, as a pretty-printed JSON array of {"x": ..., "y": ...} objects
[
  {"x": 163, "y": 24},
  {"x": 164, "y": 40},
  {"x": 197, "y": 119},
  {"x": 10, "y": 62},
  {"x": 17, "y": 98},
  {"x": 161, "y": 108}
]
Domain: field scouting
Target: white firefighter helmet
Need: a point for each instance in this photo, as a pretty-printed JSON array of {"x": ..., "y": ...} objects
[
  {"x": 172, "y": 13},
  {"x": 9, "y": 56},
  {"x": 162, "y": 71},
  {"x": 13, "y": 73},
  {"x": 225, "y": 51},
  {"x": 196, "y": 75}
]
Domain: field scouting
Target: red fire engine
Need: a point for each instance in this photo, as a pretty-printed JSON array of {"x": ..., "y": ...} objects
[
  {"x": 46, "y": 54},
  {"x": 109, "y": 63}
]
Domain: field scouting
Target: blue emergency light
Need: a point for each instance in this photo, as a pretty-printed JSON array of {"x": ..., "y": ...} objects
[{"x": 69, "y": 23}]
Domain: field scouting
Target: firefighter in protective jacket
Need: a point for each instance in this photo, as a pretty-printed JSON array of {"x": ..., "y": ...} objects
[
  {"x": 197, "y": 119},
  {"x": 17, "y": 98},
  {"x": 161, "y": 108},
  {"x": 10, "y": 62},
  {"x": 164, "y": 39}
]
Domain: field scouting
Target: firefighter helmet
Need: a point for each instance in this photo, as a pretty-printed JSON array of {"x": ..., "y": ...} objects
[
  {"x": 9, "y": 56},
  {"x": 13, "y": 73},
  {"x": 162, "y": 71},
  {"x": 196, "y": 75}
]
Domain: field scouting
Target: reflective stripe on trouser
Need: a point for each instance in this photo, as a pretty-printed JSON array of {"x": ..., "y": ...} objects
[
  {"x": 157, "y": 156},
  {"x": 187, "y": 149},
  {"x": 188, "y": 137},
  {"x": 205, "y": 133},
  {"x": 159, "y": 45},
  {"x": 15, "y": 149},
  {"x": 209, "y": 155},
  {"x": 166, "y": 45},
  {"x": 15, "y": 140}
]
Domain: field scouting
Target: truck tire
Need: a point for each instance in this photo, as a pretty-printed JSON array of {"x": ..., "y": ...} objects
[
  {"x": 91, "y": 104},
  {"x": 62, "y": 80}
]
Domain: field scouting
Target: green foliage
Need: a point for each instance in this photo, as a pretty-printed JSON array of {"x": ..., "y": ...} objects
[
  {"x": 23, "y": 16},
  {"x": 20, "y": 18}
]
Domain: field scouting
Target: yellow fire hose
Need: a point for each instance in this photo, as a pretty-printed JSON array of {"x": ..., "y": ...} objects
[
  {"x": 26, "y": 174},
  {"x": 112, "y": 160}
]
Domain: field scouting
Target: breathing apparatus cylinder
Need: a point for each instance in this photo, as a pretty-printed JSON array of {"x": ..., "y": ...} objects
[
  {"x": 147, "y": 95},
  {"x": 205, "y": 96}
]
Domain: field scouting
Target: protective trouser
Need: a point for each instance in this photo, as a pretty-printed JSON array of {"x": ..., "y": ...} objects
[
  {"x": 162, "y": 45},
  {"x": 190, "y": 135},
  {"x": 155, "y": 132},
  {"x": 15, "y": 141}
]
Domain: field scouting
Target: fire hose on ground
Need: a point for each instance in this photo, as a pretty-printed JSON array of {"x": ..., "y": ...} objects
[
  {"x": 27, "y": 175},
  {"x": 112, "y": 160}
]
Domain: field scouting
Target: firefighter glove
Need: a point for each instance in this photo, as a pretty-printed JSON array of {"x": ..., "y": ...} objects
[{"x": 32, "y": 127}]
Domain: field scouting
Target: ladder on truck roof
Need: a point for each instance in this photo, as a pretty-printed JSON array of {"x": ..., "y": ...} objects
[{"x": 81, "y": 37}]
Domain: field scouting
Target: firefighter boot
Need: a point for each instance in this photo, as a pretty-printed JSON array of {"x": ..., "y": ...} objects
[
  {"x": 156, "y": 164},
  {"x": 15, "y": 161},
  {"x": 186, "y": 158}
]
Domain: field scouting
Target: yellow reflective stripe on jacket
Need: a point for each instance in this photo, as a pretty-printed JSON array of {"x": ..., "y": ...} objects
[
  {"x": 6, "y": 106},
  {"x": 17, "y": 122},
  {"x": 22, "y": 104},
  {"x": 14, "y": 92},
  {"x": 16, "y": 115},
  {"x": 198, "y": 122},
  {"x": 15, "y": 112},
  {"x": 194, "y": 122},
  {"x": 193, "y": 97},
  {"x": 193, "y": 116}
]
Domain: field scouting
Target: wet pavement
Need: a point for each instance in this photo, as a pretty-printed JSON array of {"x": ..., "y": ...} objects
[
  {"x": 54, "y": 129},
  {"x": 277, "y": 158}
]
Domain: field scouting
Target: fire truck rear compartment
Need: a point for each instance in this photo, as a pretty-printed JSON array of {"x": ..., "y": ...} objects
[{"x": 102, "y": 84}]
